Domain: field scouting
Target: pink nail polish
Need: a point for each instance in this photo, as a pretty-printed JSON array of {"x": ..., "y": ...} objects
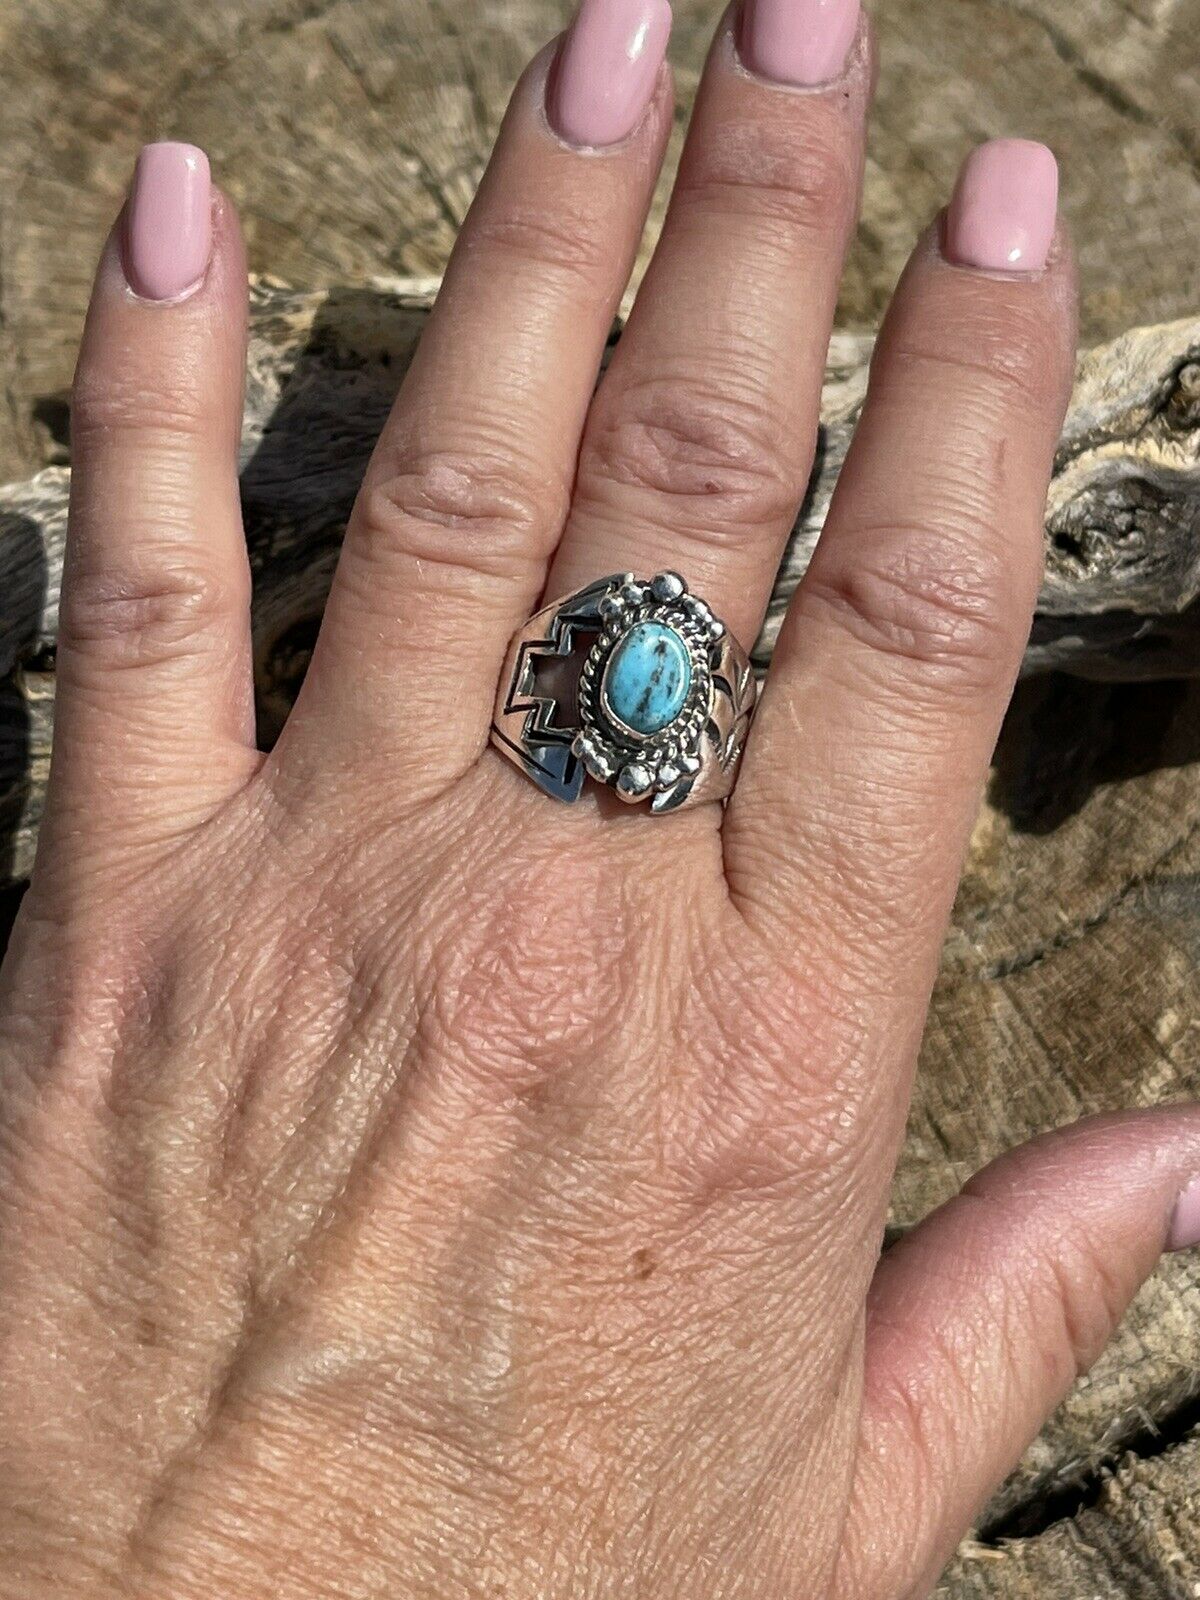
[
  {"x": 802, "y": 42},
  {"x": 168, "y": 223},
  {"x": 607, "y": 68},
  {"x": 1002, "y": 214},
  {"x": 1184, "y": 1232}
]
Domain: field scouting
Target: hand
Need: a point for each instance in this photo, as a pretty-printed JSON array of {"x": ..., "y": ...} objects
[{"x": 412, "y": 1187}]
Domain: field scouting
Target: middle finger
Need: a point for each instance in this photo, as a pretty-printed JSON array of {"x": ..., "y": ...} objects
[{"x": 699, "y": 442}]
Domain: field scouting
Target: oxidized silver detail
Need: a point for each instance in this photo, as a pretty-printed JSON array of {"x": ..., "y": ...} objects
[{"x": 693, "y": 758}]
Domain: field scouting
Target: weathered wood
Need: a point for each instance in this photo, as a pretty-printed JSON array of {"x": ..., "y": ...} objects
[
  {"x": 1070, "y": 984},
  {"x": 352, "y": 133},
  {"x": 1140, "y": 1540}
]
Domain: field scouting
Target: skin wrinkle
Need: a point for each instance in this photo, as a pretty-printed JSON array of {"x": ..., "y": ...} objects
[{"x": 407, "y": 1185}]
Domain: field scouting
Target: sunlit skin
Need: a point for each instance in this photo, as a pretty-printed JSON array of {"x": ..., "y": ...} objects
[{"x": 412, "y": 1187}]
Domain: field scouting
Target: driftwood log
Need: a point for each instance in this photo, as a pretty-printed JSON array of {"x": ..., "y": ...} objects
[
  {"x": 351, "y": 133},
  {"x": 1069, "y": 979}
]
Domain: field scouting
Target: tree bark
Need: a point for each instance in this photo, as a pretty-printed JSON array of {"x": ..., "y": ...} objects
[{"x": 351, "y": 133}]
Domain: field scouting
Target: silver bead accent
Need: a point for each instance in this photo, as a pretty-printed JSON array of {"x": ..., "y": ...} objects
[
  {"x": 633, "y": 781},
  {"x": 668, "y": 586}
]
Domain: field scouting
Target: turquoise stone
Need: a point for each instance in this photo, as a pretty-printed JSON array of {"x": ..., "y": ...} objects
[{"x": 647, "y": 678}]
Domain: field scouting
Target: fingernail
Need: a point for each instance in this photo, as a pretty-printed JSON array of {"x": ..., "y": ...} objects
[
  {"x": 607, "y": 68},
  {"x": 168, "y": 226},
  {"x": 802, "y": 42},
  {"x": 1184, "y": 1231},
  {"x": 1002, "y": 213}
]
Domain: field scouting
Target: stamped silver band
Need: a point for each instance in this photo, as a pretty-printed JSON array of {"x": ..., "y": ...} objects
[{"x": 635, "y": 684}]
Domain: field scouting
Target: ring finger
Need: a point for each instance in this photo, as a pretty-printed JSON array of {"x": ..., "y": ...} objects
[
  {"x": 700, "y": 440},
  {"x": 467, "y": 490}
]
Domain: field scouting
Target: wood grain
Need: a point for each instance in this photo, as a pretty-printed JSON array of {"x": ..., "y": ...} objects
[{"x": 352, "y": 133}]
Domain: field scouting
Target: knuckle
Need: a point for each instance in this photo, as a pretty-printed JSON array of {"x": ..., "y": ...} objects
[
  {"x": 112, "y": 401},
  {"x": 997, "y": 351},
  {"x": 802, "y": 184},
  {"x": 1091, "y": 1301},
  {"x": 137, "y": 618},
  {"x": 558, "y": 242},
  {"x": 942, "y": 610},
  {"x": 509, "y": 1040},
  {"x": 1073, "y": 1293},
  {"x": 457, "y": 510},
  {"x": 783, "y": 1093},
  {"x": 716, "y": 454}
]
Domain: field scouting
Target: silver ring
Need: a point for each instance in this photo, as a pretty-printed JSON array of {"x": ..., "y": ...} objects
[{"x": 636, "y": 684}]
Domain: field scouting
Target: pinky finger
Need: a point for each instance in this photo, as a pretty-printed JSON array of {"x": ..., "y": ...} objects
[
  {"x": 982, "y": 1318},
  {"x": 154, "y": 715}
]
